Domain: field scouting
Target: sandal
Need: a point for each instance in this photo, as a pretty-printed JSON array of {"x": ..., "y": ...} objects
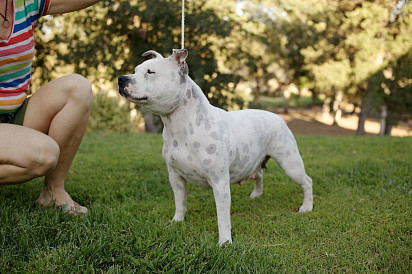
[{"x": 76, "y": 209}]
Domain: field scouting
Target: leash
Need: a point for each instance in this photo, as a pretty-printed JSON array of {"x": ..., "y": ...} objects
[{"x": 183, "y": 25}]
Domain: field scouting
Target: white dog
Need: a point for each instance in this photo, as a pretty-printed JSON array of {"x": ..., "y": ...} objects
[{"x": 206, "y": 145}]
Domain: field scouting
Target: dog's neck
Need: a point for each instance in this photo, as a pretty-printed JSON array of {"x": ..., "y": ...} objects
[{"x": 193, "y": 109}]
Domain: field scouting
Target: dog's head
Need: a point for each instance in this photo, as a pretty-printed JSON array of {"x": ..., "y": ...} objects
[{"x": 158, "y": 84}]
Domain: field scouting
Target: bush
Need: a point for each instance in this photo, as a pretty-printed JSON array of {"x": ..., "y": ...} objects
[
  {"x": 108, "y": 115},
  {"x": 296, "y": 101}
]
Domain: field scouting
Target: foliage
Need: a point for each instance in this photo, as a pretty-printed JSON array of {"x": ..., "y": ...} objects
[
  {"x": 109, "y": 38},
  {"x": 357, "y": 42},
  {"x": 328, "y": 46},
  {"x": 360, "y": 223},
  {"x": 271, "y": 103},
  {"x": 108, "y": 115}
]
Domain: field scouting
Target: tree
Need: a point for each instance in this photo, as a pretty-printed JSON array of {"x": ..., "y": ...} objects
[
  {"x": 358, "y": 41},
  {"x": 107, "y": 40}
]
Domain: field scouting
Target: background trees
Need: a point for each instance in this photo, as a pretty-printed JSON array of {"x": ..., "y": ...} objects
[{"x": 352, "y": 50}]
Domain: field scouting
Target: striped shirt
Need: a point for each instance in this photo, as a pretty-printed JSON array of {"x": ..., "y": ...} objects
[{"x": 17, "y": 52}]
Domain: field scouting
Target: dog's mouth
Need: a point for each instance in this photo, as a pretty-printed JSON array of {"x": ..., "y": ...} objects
[
  {"x": 134, "y": 98},
  {"x": 144, "y": 98}
]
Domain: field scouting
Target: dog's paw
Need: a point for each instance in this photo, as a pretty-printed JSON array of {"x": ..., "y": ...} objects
[
  {"x": 305, "y": 208},
  {"x": 224, "y": 242},
  {"x": 255, "y": 194},
  {"x": 178, "y": 219}
]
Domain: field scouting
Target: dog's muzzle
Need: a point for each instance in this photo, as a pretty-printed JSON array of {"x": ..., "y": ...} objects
[{"x": 123, "y": 81}]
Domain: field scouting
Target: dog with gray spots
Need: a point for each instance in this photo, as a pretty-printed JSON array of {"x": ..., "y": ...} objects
[{"x": 206, "y": 145}]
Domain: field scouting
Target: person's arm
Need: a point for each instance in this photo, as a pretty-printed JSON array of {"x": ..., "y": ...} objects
[{"x": 63, "y": 6}]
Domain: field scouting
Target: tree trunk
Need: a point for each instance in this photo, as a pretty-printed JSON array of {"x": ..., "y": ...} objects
[
  {"x": 286, "y": 95},
  {"x": 314, "y": 97},
  {"x": 152, "y": 122},
  {"x": 388, "y": 129},
  {"x": 362, "y": 117},
  {"x": 384, "y": 115},
  {"x": 326, "y": 107},
  {"x": 361, "y": 123},
  {"x": 337, "y": 111}
]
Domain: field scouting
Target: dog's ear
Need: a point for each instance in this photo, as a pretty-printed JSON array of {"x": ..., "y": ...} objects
[
  {"x": 154, "y": 53},
  {"x": 179, "y": 56}
]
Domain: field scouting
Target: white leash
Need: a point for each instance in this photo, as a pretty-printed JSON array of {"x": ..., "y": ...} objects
[{"x": 183, "y": 24}]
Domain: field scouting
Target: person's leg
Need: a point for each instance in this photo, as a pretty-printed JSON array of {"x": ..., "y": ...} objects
[
  {"x": 25, "y": 154},
  {"x": 60, "y": 109}
]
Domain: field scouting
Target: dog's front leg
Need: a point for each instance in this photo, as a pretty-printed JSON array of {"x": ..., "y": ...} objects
[
  {"x": 221, "y": 191},
  {"x": 179, "y": 186}
]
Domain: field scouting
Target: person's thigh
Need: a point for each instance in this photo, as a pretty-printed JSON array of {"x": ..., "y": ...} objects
[
  {"x": 50, "y": 99},
  {"x": 25, "y": 154}
]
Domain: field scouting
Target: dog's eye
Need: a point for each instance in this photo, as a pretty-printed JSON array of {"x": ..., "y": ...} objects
[{"x": 150, "y": 72}]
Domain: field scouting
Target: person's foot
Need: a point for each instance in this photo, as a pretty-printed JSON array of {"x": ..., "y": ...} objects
[
  {"x": 60, "y": 200},
  {"x": 76, "y": 209}
]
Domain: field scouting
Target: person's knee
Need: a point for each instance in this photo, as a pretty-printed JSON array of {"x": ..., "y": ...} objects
[
  {"x": 80, "y": 90},
  {"x": 44, "y": 158}
]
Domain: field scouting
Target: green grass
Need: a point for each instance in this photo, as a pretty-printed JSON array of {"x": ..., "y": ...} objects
[{"x": 361, "y": 220}]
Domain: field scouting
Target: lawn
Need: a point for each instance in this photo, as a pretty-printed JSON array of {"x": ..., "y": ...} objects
[{"x": 361, "y": 222}]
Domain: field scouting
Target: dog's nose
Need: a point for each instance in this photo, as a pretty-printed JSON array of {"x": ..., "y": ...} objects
[{"x": 123, "y": 80}]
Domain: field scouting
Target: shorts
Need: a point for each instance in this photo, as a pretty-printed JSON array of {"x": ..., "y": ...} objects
[{"x": 16, "y": 118}]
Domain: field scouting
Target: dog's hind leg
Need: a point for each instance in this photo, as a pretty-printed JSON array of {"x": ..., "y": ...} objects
[
  {"x": 258, "y": 176},
  {"x": 258, "y": 184},
  {"x": 294, "y": 168},
  {"x": 287, "y": 156}
]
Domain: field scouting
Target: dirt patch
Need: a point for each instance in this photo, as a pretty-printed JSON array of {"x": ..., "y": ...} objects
[{"x": 314, "y": 122}]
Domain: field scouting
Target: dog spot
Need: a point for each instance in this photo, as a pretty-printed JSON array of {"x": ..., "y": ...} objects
[
  {"x": 188, "y": 94},
  {"x": 214, "y": 135},
  {"x": 194, "y": 93},
  {"x": 211, "y": 149},
  {"x": 190, "y": 158},
  {"x": 214, "y": 177},
  {"x": 191, "y": 129},
  {"x": 183, "y": 74},
  {"x": 238, "y": 161},
  {"x": 199, "y": 119},
  {"x": 175, "y": 143},
  {"x": 207, "y": 125},
  {"x": 196, "y": 144},
  {"x": 246, "y": 148},
  {"x": 207, "y": 162},
  {"x": 185, "y": 102}
]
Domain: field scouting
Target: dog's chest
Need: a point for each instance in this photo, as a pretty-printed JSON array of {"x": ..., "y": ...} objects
[{"x": 182, "y": 155}]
